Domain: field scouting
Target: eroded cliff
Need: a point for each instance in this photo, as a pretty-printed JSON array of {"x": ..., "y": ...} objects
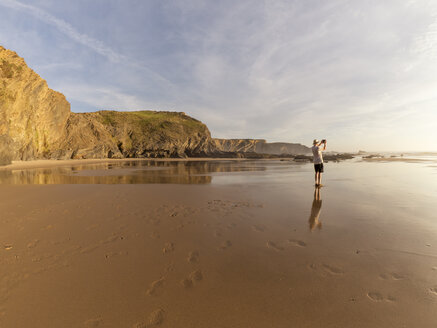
[
  {"x": 259, "y": 146},
  {"x": 36, "y": 122},
  {"x": 32, "y": 116},
  {"x": 137, "y": 134}
]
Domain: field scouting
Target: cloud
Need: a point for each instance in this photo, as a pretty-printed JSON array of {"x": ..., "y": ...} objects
[
  {"x": 65, "y": 28},
  {"x": 104, "y": 97},
  {"x": 84, "y": 39}
]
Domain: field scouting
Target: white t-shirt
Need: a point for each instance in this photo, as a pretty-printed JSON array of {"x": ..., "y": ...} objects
[{"x": 317, "y": 155}]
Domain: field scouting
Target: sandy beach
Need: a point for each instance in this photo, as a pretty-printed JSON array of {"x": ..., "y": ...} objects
[{"x": 218, "y": 244}]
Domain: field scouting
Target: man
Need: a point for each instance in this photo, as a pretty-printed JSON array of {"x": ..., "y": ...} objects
[{"x": 318, "y": 160}]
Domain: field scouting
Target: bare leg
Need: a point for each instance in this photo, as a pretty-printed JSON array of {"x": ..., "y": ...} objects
[
  {"x": 320, "y": 178},
  {"x": 317, "y": 194}
]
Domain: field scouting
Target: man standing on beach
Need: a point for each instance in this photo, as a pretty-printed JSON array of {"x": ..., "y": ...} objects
[{"x": 318, "y": 160}]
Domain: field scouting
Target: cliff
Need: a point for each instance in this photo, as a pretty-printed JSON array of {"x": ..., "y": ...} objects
[
  {"x": 32, "y": 116},
  {"x": 134, "y": 134},
  {"x": 259, "y": 146},
  {"x": 36, "y": 123}
]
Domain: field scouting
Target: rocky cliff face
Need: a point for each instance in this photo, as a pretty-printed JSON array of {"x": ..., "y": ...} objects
[
  {"x": 36, "y": 122},
  {"x": 32, "y": 116},
  {"x": 259, "y": 146},
  {"x": 134, "y": 135},
  {"x": 236, "y": 145}
]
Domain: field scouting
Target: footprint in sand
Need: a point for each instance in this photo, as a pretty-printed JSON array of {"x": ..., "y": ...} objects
[
  {"x": 375, "y": 296},
  {"x": 155, "y": 235},
  {"x": 168, "y": 247},
  {"x": 187, "y": 283},
  {"x": 383, "y": 276},
  {"x": 111, "y": 239},
  {"x": 272, "y": 245},
  {"x": 154, "y": 286},
  {"x": 88, "y": 249},
  {"x": 113, "y": 254},
  {"x": 433, "y": 290},
  {"x": 298, "y": 243},
  {"x": 394, "y": 276},
  {"x": 93, "y": 323},
  {"x": 33, "y": 244},
  {"x": 258, "y": 228},
  {"x": 397, "y": 276},
  {"x": 7, "y": 247},
  {"x": 156, "y": 318},
  {"x": 226, "y": 244},
  {"x": 332, "y": 269},
  {"x": 193, "y": 277},
  {"x": 312, "y": 266},
  {"x": 193, "y": 257},
  {"x": 196, "y": 275},
  {"x": 391, "y": 298},
  {"x": 92, "y": 227},
  {"x": 154, "y": 221},
  {"x": 180, "y": 227}
]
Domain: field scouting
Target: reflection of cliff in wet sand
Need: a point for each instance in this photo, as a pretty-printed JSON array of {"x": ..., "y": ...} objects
[
  {"x": 315, "y": 211},
  {"x": 129, "y": 172}
]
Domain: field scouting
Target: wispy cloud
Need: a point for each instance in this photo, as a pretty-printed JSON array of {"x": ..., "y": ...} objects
[
  {"x": 104, "y": 97},
  {"x": 65, "y": 28},
  {"x": 84, "y": 39}
]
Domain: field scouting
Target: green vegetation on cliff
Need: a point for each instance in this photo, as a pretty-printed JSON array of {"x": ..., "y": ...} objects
[{"x": 135, "y": 134}]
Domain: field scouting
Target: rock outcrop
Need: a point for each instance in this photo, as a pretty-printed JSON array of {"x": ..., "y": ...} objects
[
  {"x": 112, "y": 134},
  {"x": 32, "y": 116},
  {"x": 36, "y": 123},
  {"x": 259, "y": 146}
]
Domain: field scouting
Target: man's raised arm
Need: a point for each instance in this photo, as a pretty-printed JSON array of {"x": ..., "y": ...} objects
[{"x": 324, "y": 144}]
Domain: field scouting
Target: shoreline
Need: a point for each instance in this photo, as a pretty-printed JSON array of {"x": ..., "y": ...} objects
[{"x": 45, "y": 163}]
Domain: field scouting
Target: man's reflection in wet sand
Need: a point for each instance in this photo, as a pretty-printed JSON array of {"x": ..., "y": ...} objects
[{"x": 315, "y": 211}]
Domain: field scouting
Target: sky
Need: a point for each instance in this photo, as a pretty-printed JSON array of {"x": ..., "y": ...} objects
[{"x": 361, "y": 74}]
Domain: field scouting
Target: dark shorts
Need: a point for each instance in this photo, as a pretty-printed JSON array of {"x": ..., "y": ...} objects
[{"x": 318, "y": 167}]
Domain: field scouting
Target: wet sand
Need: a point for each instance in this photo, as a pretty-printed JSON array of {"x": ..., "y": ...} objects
[{"x": 219, "y": 244}]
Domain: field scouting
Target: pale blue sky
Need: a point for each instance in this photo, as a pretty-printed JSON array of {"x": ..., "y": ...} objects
[{"x": 362, "y": 74}]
